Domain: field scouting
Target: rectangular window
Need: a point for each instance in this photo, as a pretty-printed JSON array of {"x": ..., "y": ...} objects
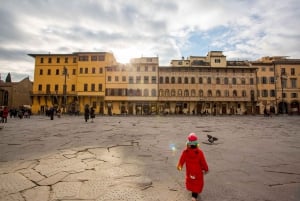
[
  {"x": 86, "y": 70},
  {"x": 138, "y": 69},
  {"x": 153, "y": 68},
  {"x": 264, "y": 93},
  {"x": 116, "y": 79},
  {"x": 94, "y": 58},
  {"x": 93, "y": 70},
  {"x": 292, "y": 71},
  {"x": 74, "y": 71},
  {"x": 217, "y": 60},
  {"x": 66, "y": 59},
  {"x": 101, "y": 58},
  {"x": 264, "y": 80},
  {"x": 92, "y": 87},
  {"x": 131, "y": 80},
  {"x": 138, "y": 79},
  {"x": 57, "y": 60},
  {"x": 153, "y": 80},
  {"x": 49, "y": 60},
  {"x": 272, "y": 93},
  {"x": 100, "y": 70},
  {"x": 109, "y": 78},
  {"x": 81, "y": 70},
  {"x": 73, "y": 87},
  {"x": 57, "y": 72},
  {"x": 146, "y": 80},
  {"x": 83, "y": 58},
  {"x": 56, "y": 87},
  {"x": 48, "y": 88},
  {"x": 294, "y": 83},
  {"x": 146, "y": 68},
  {"x": 42, "y": 60},
  {"x": 40, "y": 87},
  {"x": 293, "y": 95},
  {"x": 49, "y": 72},
  {"x": 85, "y": 87},
  {"x": 251, "y": 81},
  {"x": 123, "y": 78},
  {"x": 74, "y": 60},
  {"x": 99, "y": 87},
  {"x": 41, "y": 71},
  {"x": 272, "y": 80}
]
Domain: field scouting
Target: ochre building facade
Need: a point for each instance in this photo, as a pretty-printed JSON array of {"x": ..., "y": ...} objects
[{"x": 195, "y": 85}]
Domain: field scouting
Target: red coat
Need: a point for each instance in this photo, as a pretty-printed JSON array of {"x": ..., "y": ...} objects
[{"x": 195, "y": 163}]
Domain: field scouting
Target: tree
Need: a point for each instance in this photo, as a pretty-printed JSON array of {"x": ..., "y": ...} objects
[{"x": 8, "y": 78}]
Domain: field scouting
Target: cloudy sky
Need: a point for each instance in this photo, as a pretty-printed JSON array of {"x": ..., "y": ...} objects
[{"x": 170, "y": 29}]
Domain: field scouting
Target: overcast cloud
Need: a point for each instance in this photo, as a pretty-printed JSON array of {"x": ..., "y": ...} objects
[{"x": 170, "y": 29}]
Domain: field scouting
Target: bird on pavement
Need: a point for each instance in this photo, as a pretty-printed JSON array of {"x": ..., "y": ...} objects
[{"x": 212, "y": 139}]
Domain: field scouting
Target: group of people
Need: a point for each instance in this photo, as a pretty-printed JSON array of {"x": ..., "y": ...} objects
[{"x": 89, "y": 113}]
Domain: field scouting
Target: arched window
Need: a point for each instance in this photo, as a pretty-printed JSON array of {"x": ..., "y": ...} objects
[
  {"x": 161, "y": 92},
  {"x": 173, "y": 92},
  {"x": 218, "y": 81},
  {"x": 243, "y": 81},
  {"x": 193, "y": 92},
  {"x": 186, "y": 80},
  {"x": 244, "y": 93},
  {"x": 138, "y": 92},
  {"x": 167, "y": 92},
  {"x": 201, "y": 93},
  {"x": 218, "y": 93},
  {"x": 161, "y": 80},
  {"x": 173, "y": 80},
  {"x": 234, "y": 93},
  {"x": 200, "y": 80},
  {"x": 146, "y": 92},
  {"x": 179, "y": 80},
  {"x": 226, "y": 93},
  {"x": 186, "y": 92},
  {"x": 234, "y": 80},
  {"x": 209, "y": 80},
  {"x": 179, "y": 92},
  {"x": 226, "y": 80},
  {"x": 167, "y": 80},
  {"x": 209, "y": 93},
  {"x": 192, "y": 80},
  {"x": 153, "y": 92}
]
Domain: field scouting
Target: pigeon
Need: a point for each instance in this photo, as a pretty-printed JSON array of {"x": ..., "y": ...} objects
[{"x": 212, "y": 139}]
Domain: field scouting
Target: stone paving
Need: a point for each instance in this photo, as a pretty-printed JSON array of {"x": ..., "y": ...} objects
[{"x": 134, "y": 158}]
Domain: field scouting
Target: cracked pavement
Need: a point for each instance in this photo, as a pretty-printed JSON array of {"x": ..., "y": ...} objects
[{"x": 135, "y": 158}]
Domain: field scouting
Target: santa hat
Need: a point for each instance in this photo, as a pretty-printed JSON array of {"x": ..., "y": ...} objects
[{"x": 192, "y": 139}]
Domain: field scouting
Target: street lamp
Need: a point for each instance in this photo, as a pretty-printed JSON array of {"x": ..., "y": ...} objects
[
  {"x": 282, "y": 78},
  {"x": 65, "y": 73}
]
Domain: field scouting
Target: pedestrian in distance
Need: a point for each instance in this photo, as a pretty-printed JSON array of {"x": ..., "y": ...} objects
[
  {"x": 92, "y": 114},
  {"x": 195, "y": 165},
  {"x": 86, "y": 113},
  {"x": 5, "y": 115},
  {"x": 51, "y": 113}
]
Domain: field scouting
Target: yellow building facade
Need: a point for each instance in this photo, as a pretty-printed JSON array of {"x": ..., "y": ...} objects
[
  {"x": 70, "y": 81},
  {"x": 278, "y": 85}
]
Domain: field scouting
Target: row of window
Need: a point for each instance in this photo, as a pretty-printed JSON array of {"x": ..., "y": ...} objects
[
  {"x": 73, "y": 87},
  {"x": 202, "y": 93},
  {"x": 81, "y": 71},
  {"x": 271, "y": 80},
  {"x": 272, "y": 93},
  {"x": 130, "y": 92},
  {"x": 81, "y": 58},
  {"x": 202, "y": 80},
  {"x": 58, "y": 60}
]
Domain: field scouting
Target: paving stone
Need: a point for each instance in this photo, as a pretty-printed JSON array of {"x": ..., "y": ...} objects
[
  {"x": 12, "y": 197},
  {"x": 32, "y": 175},
  {"x": 66, "y": 190},
  {"x": 53, "y": 179},
  {"x": 39, "y": 193},
  {"x": 52, "y": 167},
  {"x": 13, "y": 183},
  {"x": 92, "y": 189}
]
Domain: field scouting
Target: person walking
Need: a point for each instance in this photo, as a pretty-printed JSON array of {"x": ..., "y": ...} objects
[
  {"x": 5, "y": 115},
  {"x": 92, "y": 114},
  {"x": 86, "y": 113},
  {"x": 196, "y": 166}
]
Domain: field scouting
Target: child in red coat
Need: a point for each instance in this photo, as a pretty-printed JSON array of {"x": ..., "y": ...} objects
[{"x": 196, "y": 166}]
